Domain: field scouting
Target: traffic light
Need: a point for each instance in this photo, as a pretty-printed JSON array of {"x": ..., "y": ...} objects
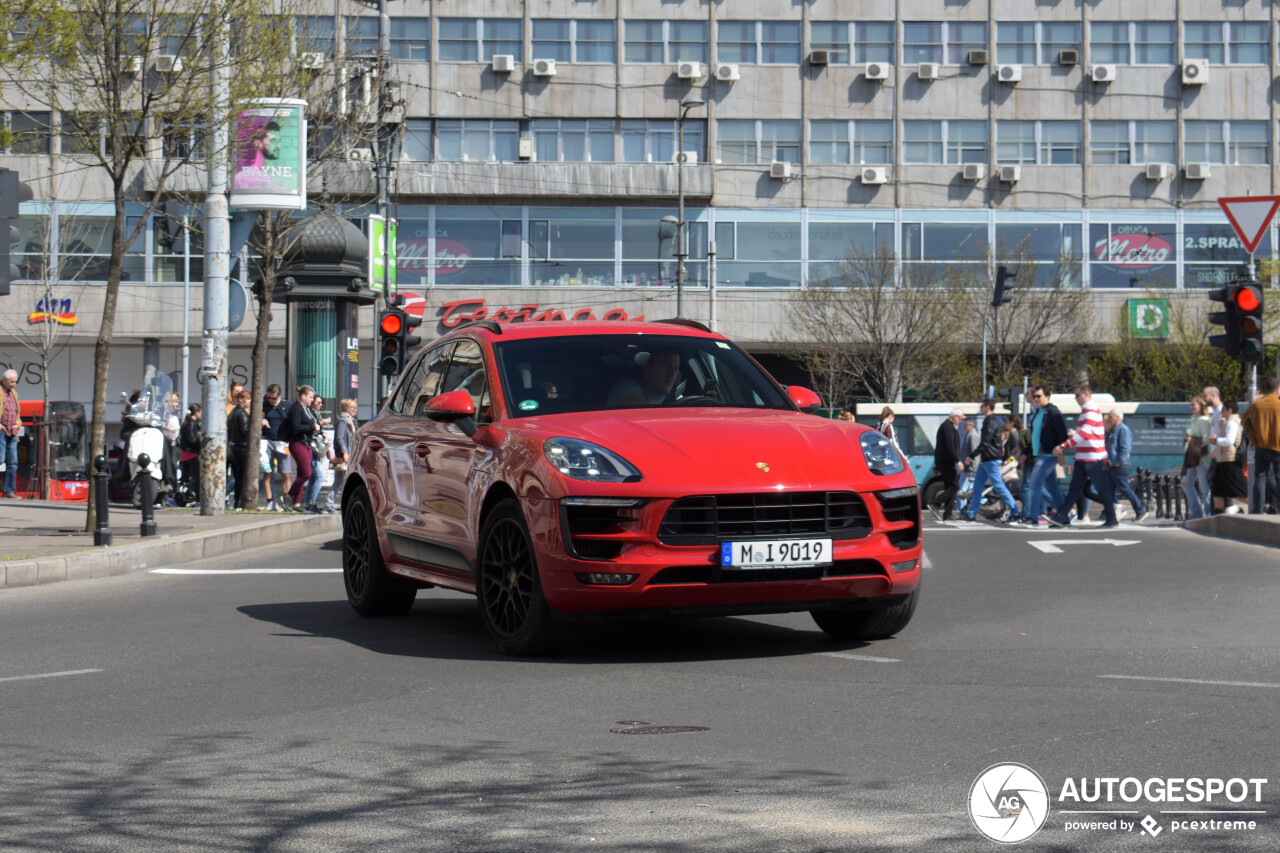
[
  {"x": 1229, "y": 341},
  {"x": 1248, "y": 301},
  {"x": 394, "y": 341},
  {"x": 12, "y": 193},
  {"x": 1001, "y": 296}
]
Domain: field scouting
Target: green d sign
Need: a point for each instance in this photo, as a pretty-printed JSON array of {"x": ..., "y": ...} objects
[{"x": 1148, "y": 318}]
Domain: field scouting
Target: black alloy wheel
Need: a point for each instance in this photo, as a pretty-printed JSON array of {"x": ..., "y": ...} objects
[
  {"x": 371, "y": 590},
  {"x": 876, "y": 623},
  {"x": 510, "y": 591}
]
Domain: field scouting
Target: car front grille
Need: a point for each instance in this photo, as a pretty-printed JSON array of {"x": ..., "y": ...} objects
[
  {"x": 711, "y": 519},
  {"x": 903, "y": 513},
  {"x": 580, "y": 523}
]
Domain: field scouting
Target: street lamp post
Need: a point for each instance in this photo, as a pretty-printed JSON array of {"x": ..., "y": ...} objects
[{"x": 681, "y": 248}]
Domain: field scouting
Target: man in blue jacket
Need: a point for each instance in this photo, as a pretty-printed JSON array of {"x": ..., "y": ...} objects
[
  {"x": 991, "y": 455},
  {"x": 1048, "y": 430},
  {"x": 1119, "y": 453}
]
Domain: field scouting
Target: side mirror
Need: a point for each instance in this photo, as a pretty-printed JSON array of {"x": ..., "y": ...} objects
[
  {"x": 455, "y": 407},
  {"x": 804, "y": 399}
]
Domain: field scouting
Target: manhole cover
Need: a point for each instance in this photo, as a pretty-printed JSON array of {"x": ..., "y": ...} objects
[{"x": 641, "y": 728}]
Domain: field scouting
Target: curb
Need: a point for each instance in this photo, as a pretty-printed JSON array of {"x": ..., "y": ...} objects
[
  {"x": 1257, "y": 529},
  {"x": 185, "y": 548}
]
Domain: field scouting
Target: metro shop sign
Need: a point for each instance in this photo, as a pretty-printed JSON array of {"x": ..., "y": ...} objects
[
  {"x": 453, "y": 314},
  {"x": 1133, "y": 247}
]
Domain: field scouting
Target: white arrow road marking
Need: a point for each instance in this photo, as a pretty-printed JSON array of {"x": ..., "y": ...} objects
[
  {"x": 1050, "y": 546},
  {"x": 50, "y": 674},
  {"x": 241, "y": 571},
  {"x": 1193, "y": 681}
]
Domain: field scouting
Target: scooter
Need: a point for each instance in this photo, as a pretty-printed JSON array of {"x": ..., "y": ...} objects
[{"x": 148, "y": 413}]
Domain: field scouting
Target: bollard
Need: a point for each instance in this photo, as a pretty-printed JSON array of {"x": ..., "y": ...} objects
[
  {"x": 1154, "y": 485},
  {"x": 1168, "y": 496},
  {"x": 1177, "y": 499},
  {"x": 1144, "y": 493},
  {"x": 148, "y": 526},
  {"x": 102, "y": 522}
]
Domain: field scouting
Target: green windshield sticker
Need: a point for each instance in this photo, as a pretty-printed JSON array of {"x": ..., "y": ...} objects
[{"x": 528, "y": 405}]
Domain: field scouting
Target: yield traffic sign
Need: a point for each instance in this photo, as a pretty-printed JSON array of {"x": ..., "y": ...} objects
[{"x": 1250, "y": 216}]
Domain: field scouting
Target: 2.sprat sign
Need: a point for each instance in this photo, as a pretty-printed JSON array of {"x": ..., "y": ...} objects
[
  {"x": 461, "y": 311},
  {"x": 1133, "y": 247}
]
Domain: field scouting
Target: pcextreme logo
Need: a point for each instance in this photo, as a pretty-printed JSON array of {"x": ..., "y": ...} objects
[{"x": 1008, "y": 803}]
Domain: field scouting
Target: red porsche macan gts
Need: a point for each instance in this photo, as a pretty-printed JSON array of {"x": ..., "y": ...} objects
[{"x": 564, "y": 471}]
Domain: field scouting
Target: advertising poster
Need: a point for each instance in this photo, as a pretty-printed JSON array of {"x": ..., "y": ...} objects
[
  {"x": 270, "y": 171},
  {"x": 378, "y": 269}
]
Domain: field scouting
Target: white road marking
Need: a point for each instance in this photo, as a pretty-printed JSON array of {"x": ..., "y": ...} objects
[
  {"x": 50, "y": 674},
  {"x": 925, "y": 562},
  {"x": 867, "y": 658},
  {"x": 1194, "y": 681},
  {"x": 1076, "y": 528},
  {"x": 1050, "y": 546},
  {"x": 242, "y": 571}
]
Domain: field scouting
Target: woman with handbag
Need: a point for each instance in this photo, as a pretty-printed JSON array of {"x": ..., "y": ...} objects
[
  {"x": 1195, "y": 462},
  {"x": 343, "y": 434},
  {"x": 301, "y": 425},
  {"x": 321, "y": 459},
  {"x": 1228, "y": 452}
]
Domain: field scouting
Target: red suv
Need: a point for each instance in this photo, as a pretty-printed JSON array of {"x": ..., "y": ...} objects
[{"x": 560, "y": 471}]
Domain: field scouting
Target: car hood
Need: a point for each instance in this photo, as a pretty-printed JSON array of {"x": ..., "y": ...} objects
[{"x": 723, "y": 450}]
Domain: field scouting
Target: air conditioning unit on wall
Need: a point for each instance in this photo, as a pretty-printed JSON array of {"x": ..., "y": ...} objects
[
  {"x": 312, "y": 61},
  {"x": 1103, "y": 73},
  {"x": 727, "y": 72},
  {"x": 1011, "y": 174},
  {"x": 1159, "y": 171},
  {"x": 1009, "y": 73},
  {"x": 690, "y": 71},
  {"x": 875, "y": 175},
  {"x": 544, "y": 68},
  {"x": 686, "y": 157},
  {"x": 1195, "y": 72},
  {"x": 781, "y": 170},
  {"x": 169, "y": 64},
  {"x": 503, "y": 63},
  {"x": 927, "y": 71},
  {"x": 1197, "y": 171},
  {"x": 975, "y": 171},
  {"x": 877, "y": 71},
  {"x": 820, "y": 57}
]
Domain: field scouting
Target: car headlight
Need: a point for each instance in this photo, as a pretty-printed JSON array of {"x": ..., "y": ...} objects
[
  {"x": 880, "y": 454},
  {"x": 583, "y": 460}
]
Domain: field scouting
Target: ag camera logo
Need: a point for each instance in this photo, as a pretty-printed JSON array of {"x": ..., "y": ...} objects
[{"x": 1008, "y": 803}]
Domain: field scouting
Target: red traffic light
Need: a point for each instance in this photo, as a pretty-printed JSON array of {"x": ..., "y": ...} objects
[
  {"x": 391, "y": 324},
  {"x": 1247, "y": 299}
]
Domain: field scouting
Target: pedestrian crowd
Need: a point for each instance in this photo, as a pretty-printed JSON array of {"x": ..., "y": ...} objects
[
  {"x": 999, "y": 457},
  {"x": 294, "y": 446}
]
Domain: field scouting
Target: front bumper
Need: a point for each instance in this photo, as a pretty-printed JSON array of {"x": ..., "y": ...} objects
[{"x": 866, "y": 571}]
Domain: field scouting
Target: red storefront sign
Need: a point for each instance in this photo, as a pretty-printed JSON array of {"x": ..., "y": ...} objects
[
  {"x": 1136, "y": 249},
  {"x": 461, "y": 311}
]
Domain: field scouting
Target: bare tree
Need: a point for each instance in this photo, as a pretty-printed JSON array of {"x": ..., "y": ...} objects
[
  {"x": 877, "y": 327},
  {"x": 118, "y": 109}
]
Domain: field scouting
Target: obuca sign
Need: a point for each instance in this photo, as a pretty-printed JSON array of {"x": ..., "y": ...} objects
[{"x": 453, "y": 314}]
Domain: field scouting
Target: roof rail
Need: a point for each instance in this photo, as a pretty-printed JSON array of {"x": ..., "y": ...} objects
[
  {"x": 491, "y": 325},
  {"x": 681, "y": 321}
]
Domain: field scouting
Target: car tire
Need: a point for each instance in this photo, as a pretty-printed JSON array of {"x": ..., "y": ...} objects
[
  {"x": 509, "y": 588},
  {"x": 371, "y": 589},
  {"x": 876, "y": 623}
]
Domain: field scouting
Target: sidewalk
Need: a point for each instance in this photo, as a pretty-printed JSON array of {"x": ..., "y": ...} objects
[
  {"x": 45, "y": 542},
  {"x": 1258, "y": 529}
]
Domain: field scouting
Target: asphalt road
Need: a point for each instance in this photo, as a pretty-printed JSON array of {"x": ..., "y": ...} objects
[{"x": 247, "y": 711}]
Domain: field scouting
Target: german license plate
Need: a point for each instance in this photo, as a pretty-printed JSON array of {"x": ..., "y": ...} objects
[{"x": 776, "y": 553}]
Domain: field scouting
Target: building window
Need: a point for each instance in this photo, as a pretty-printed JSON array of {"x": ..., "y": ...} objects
[
  {"x": 1241, "y": 43},
  {"x": 477, "y": 139},
  {"x": 873, "y": 41},
  {"x": 81, "y": 133},
  {"x": 1138, "y": 142},
  {"x": 833, "y": 37},
  {"x": 1203, "y": 40},
  {"x": 183, "y": 141},
  {"x": 575, "y": 141},
  {"x": 758, "y": 141},
  {"x": 417, "y": 140},
  {"x": 472, "y": 39},
  {"x": 1249, "y": 43},
  {"x": 1060, "y": 143},
  {"x": 1139, "y": 42},
  {"x": 313, "y": 34},
  {"x": 1052, "y": 251},
  {"x": 27, "y": 133},
  {"x": 859, "y": 142},
  {"x": 1155, "y": 43},
  {"x": 1057, "y": 36},
  {"x": 1016, "y": 42},
  {"x": 1130, "y": 254},
  {"x": 765, "y": 42},
  {"x": 1248, "y": 143},
  {"x": 646, "y": 141},
  {"x": 1109, "y": 42},
  {"x": 1204, "y": 142},
  {"x": 566, "y": 40},
  {"x": 410, "y": 38},
  {"x": 947, "y": 41},
  {"x": 665, "y": 41},
  {"x": 946, "y": 141},
  {"x": 1016, "y": 142}
]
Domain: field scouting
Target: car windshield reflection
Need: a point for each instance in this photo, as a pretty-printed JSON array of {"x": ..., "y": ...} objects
[{"x": 588, "y": 373}]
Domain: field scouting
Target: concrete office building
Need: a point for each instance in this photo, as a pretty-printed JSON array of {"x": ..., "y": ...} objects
[{"x": 540, "y": 142}]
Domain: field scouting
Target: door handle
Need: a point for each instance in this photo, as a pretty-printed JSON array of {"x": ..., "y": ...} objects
[
  {"x": 375, "y": 444},
  {"x": 422, "y": 450}
]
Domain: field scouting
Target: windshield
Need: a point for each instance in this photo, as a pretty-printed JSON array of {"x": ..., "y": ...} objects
[
  {"x": 68, "y": 441},
  {"x": 592, "y": 373}
]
